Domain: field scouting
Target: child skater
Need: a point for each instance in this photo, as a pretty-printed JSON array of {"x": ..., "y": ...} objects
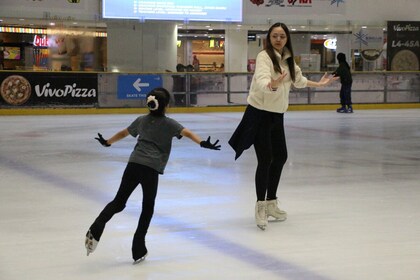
[
  {"x": 343, "y": 71},
  {"x": 154, "y": 133}
]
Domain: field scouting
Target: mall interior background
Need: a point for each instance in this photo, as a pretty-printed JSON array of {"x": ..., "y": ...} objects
[{"x": 66, "y": 36}]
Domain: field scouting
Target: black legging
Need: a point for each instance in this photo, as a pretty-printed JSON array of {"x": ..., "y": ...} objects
[
  {"x": 134, "y": 175},
  {"x": 271, "y": 150}
]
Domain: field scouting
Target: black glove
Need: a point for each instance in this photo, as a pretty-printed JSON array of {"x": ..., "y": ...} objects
[
  {"x": 102, "y": 140},
  {"x": 208, "y": 145}
]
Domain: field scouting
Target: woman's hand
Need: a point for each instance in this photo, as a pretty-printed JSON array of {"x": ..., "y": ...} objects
[
  {"x": 327, "y": 79},
  {"x": 274, "y": 84}
]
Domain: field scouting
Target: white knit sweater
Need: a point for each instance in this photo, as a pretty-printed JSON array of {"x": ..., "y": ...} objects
[{"x": 261, "y": 96}]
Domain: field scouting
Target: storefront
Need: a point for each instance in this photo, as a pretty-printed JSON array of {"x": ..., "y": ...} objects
[
  {"x": 52, "y": 49},
  {"x": 201, "y": 50}
]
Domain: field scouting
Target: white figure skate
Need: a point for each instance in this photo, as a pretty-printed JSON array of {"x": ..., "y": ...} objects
[
  {"x": 90, "y": 243},
  {"x": 261, "y": 215},
  {"x": 140, "y": 260},
  {"x": 274, "y": 211}
]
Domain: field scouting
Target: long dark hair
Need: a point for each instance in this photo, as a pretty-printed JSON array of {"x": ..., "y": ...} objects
[
  {"x": 157, "y": 101},
  {"x": 271, "y": 53}
]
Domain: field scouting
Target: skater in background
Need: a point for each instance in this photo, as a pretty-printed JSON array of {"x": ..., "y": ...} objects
[
  {"x": 196, "y": 64},
  {"x": 262, "y": 122},
  {"x": 343, "y": 71},
  {"x": 154, "y": 133}
]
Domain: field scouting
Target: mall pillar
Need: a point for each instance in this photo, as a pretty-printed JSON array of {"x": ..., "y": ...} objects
[
  {"x": 141, "y": 46},
  {"x": 236, "y": 59},
  {"x": 236, "y": 49}
]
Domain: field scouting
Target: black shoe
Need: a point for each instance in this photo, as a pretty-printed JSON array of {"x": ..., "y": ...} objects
[
  {"x": 342, "y": 110},
  {"x": 350, "y": 110}
]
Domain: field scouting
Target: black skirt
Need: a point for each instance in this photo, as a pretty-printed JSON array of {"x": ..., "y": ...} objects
[{"x": 244, "y": 136}]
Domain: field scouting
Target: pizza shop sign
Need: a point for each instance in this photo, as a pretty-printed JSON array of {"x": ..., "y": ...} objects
[
  {"x": 407, "y": 44},
  {"x": 68, "y": 90}
]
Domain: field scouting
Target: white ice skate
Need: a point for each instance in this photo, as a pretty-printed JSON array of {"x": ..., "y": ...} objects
[
  {"x": 274, "y": 211},
  {"x": 140, "y": 260},
  {"x": 261, "y": 215},
  {"x": 90, "y": 243}
]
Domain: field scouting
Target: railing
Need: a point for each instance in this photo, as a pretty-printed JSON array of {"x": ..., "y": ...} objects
[
  {"x": 201, "y": 89},
  {"x": 230, "y": 89}
]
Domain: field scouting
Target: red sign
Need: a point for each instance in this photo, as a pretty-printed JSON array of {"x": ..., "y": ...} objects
[{"x": 40, "y": 41}]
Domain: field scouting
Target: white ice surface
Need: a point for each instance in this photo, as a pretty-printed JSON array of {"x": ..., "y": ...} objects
[{"x": 351, "y": 188}]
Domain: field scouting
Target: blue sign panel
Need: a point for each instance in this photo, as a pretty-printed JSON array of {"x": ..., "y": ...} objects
[{"x": 137, "y": 86}]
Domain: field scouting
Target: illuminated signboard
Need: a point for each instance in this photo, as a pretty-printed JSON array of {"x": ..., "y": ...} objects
[
  {"x": 331, "y": 44},
  {"x": 185, "y": 10}
]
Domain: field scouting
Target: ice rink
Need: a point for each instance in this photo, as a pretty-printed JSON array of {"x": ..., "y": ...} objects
[{"x": 351, "y": 187}]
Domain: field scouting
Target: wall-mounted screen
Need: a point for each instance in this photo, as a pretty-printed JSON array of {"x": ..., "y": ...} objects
[
  {"x": 12, "y": 53},
  {"x": 184, "y": 10}
]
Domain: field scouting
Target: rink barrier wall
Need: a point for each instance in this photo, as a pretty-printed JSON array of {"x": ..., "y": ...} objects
[
  {"x": 180, "y": 110},
  {"x": 108, "y": 93}
]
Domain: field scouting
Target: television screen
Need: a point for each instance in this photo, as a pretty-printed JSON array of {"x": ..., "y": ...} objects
[
  {"x": 184, "y": 10},
  {"x": 12, "y": 53}
]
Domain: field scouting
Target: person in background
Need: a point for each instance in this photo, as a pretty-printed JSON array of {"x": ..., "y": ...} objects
[
  {"x": 262, "y": 123},
  {"x": 196, "y": 64},
  {"x": 154, "y": 133},
  {"x": 343, "y": 71}
]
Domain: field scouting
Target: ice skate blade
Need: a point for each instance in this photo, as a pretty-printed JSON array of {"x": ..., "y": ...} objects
[
  {"x": 277, "y": 220},
  {"x": 139, "y": 260},
  {"x": 261, "y": 227}
]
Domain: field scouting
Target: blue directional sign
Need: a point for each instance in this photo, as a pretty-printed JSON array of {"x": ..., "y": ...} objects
[{"x": 137, "y": 86}]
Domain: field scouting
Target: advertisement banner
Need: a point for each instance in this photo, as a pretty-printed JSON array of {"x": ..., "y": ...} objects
[
  {"x": 48, "y": 89},
  {"x": 403, "y": 46}
]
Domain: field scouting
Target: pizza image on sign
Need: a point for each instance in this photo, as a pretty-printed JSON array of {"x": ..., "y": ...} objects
[
  {"x": 405, "y": 60},
  {"x": 15, "y": 90}
]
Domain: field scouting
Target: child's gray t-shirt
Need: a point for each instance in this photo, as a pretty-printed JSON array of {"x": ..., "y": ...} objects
[{"x": 154, "y": 140}]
